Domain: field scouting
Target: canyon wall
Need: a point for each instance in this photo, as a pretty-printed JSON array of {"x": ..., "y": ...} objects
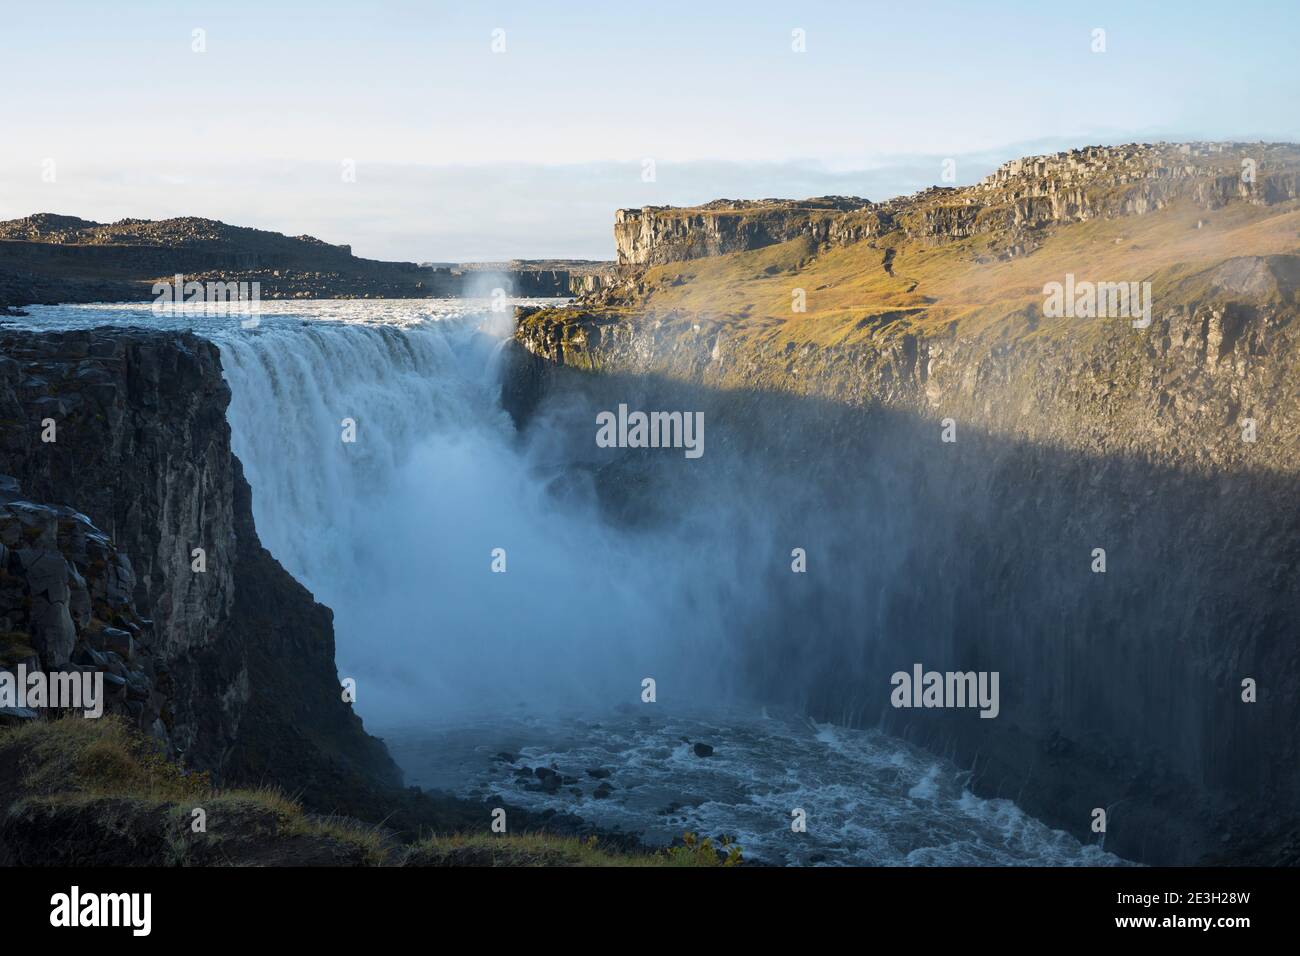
[
  {"x": 654, "y": 235},
  {"x": 1020, "y": 196},
  {"x": 1174, "y": 448},
  {"x": 240, "y": 657}
]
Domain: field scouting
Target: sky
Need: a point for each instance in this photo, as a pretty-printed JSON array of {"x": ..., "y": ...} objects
[{"x": 476, "y": 130}]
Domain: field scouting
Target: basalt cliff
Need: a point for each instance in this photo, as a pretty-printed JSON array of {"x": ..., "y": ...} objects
[
  {"x": 1101, "y": 505},
  {"x": 157, "y": 577},
  {"x": 1013, "y": 204},
  {"x": 129, "y": 555}
]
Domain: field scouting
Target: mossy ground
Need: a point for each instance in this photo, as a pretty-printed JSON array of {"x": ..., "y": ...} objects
[
  {"x": 485, "y": 849},
  {"x": 94, "y": 792},
  {"x": 939, "y": 288}
]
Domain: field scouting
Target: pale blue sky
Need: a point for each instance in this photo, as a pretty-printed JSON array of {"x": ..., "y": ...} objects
[{"x": 464, "y": 153}]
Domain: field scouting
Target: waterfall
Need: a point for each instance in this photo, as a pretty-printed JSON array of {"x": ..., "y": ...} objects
[
  {"x": 395, "y": 531},
  {"x": 624, "y": 564}
]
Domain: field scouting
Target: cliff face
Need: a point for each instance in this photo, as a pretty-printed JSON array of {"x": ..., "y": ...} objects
[
  {"x": 52, "y": 259},
  {"x": 1174, "y": 448},
  {"x": 1022, "y": 195},
  {"x": 654, "y": 235},
  {"x": 153, "y": 407},
  {"x": 65, "y": 605},
  {"x": 1120, "y": 690},
  {"x": 1205, "y": 366},
  {"x": 142, "y": 448}
]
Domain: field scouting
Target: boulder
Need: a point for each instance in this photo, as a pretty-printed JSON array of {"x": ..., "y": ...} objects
[
  {"x": 118, "y": 641},
  {"x": 53, "y": 633}
]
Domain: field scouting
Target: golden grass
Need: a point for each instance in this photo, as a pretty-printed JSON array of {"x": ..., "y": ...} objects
[
  {"x": 368, "y": 839},
  {"x": 91, "y": 763},
  {"x": 939, "y": 287},
  {"x": 98, "y": 758},
  {"x": 540, "y": 849},
  {"x": 73, "y": 762}
]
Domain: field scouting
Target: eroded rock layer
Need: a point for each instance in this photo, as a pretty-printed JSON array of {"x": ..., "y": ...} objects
[{"x": 128, "y": 427}]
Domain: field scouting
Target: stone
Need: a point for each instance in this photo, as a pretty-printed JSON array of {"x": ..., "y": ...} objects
[
  {"x": 118, "y": 641},
  {"x": 47, "y": 575},
  {"x": 53, "y": 633}
]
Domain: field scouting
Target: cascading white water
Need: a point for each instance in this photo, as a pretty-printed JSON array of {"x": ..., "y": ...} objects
[
  {"x": 316, "y": 496},
  {"x": 395, "y": 531}
]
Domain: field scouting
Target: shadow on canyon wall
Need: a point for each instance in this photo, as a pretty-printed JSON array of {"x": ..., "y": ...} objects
[{"x": 1119, "y": 690}]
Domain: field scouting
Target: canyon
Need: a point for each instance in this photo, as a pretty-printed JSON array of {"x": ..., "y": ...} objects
[
  {"x": 237, "y": 662},
  {"x": 925, "y": 315},
  {"x": 831, "y": 344}
]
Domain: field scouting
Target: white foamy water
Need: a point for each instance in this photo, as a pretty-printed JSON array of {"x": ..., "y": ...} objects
[
  {"x": 453, "y": 663},
  {"x": 869, "y": 799},
  {"x": 395, "y": 531}
]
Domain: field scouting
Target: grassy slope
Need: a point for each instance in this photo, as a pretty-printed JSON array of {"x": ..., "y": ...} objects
[
  {"x": 851, "y": 298},
  {"x": 92, "y": 792}
]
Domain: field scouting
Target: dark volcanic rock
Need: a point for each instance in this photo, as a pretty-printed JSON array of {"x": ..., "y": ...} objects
[
  {"x": 243, "y": 657},
  {"x": 1120, "y": 689},
  {"x": 61, "y": 582},
  {"x": 47, "y": 259},
  {"x": 1022, "y": 195}
]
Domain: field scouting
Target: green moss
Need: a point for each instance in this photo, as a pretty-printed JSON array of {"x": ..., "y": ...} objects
[
  {"x": 15, "y": 646},
  {"x": 695, "y": 851},
  {"x": 98, "y": 757},
  {"x": 542, "y": 849},
  {"x": 942, "y": 288},
  {"x": 73, "y": 770}
]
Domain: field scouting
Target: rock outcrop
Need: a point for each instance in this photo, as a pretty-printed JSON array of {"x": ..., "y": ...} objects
[
  {"x": 654, "y": 235},
  {"x": 66, "y": 606},
  {"x": 1174, "y": 448},
  {"x": 49, "y": 259},
  {"x": 1018, "y": 198},
  {"x": 129, "y": 428}
]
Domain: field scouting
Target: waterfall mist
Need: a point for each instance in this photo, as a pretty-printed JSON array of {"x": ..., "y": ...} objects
[
  {"x": 395, "y": 531},
  {"x": 628, "y": 563}
]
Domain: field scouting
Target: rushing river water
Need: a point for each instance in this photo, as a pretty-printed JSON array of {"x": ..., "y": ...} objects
[
  {"x": 477, "y": 678},
  {"x": 866, "y": 799}
]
